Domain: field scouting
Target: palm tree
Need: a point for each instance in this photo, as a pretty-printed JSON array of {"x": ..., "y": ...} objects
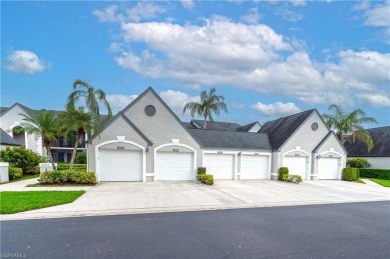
[
  {"x": 350, "y": 123},
  {"x": 76, "y": 120},
  {"x": 209, "y": 103},
  {"x": 42, "y": 123},
  {"x": 92, "y": 98}
]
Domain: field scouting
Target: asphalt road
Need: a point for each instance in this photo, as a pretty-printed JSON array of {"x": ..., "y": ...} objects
[{"x": 354, "y": 230}]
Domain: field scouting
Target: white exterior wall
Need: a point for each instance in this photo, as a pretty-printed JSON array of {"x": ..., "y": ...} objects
[
  {"x": 160, "y": 129},
  {"x": 377, "y": 162},
  {"x": 10, "y": 119}
]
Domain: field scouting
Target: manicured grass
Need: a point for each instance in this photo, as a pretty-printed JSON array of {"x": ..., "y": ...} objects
[
  {"x": 13, "y": 202},
  {"x": 360, "y": 181},
  {"x": 59, "y": 185},
  {"x": 24, "y": 177},
  {"x": 385, "y": 183}
]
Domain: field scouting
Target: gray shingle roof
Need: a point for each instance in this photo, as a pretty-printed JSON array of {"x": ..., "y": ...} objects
[
  {"x": 7, "y": 139},
  {"x": 381, "y": 137},
  {"x": 246, "y": 127},
  {"x": 217, "y": 125},
  {"x": 280, "y": 130},
  {"x": 231, "y": 139},
  {"x": 3, "y": 109}
]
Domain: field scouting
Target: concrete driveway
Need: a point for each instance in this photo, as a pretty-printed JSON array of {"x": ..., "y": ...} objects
[{"x": 113, "y": 198}]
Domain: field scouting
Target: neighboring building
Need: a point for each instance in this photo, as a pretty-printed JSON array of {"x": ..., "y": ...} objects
[
  {"x": 6, "y": 140},
  {"x": 146, "y": 141},
  {"x": 379, "y": 156},
  {"x": 10, "y": 118}
]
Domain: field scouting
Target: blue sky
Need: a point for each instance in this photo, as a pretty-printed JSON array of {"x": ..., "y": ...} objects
[{"x": 267, "y": 58}]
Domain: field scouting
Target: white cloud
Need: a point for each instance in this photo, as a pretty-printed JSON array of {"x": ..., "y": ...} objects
[
  {"x": 119, "y": 101},
  {"x": 376, "y": 100},
  {"x": 187, "y": 4},
  {"x": 225, "y": 53},
  {"x": 142, "y": 11},
  {"x": 176, "y": 100},
  {"x": 298, "y": 2},
  {"x": 378, "y": 15},
  {"x": 277, "y": 109},
  {"x": 24, "y": 61},
  {"x": 253, "y": 16},
  {"x": 289, "y": 14}
]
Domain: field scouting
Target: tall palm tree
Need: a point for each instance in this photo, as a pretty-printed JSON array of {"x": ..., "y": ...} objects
[
  {"x": 209, "y": 103},
  {"x": 42, "y": 123},
  {"x": 350, "y": 123},
  {"x": 76, "y": 120},
  {"x": 92, "y": 98}
]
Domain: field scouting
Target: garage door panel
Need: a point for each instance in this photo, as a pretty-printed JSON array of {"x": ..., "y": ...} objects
[
  {"x": 221, "y": 166},
  {"x": 120, "y": 165},
  {"x": 174, "y": 166},
  {"x": 296, "y": 165},
  {"x": 254, "y": 167},
  {"x": 328, "y": 168}
]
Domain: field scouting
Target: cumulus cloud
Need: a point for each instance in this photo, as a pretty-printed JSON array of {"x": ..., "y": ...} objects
[
  {"x": 277, "y": 109},
  {"x": 24, "y": 61},
  {"x": 253, "y": 16},
  {"x": 176, "y": 100},
  {"x": 221, "y": 52},
  {"x": 377, "y": 15},
  {"x": 141, "y": 11},
  {"x": 187, "y": 4},
  {"x": 376, "y": 100},
  {"x": 119, "y": 101}
]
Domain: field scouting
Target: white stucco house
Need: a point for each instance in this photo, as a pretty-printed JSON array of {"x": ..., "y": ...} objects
[
  {"x": 379, "y": 156},
  {"x": 146, "y": 141}
]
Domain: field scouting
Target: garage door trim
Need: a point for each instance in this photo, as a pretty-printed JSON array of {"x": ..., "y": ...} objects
[
  {"x": 339, "y": 156},
  {"x": 306, "y": 155},
  {"x": 173, "y": 144},
  {"x": 234, "y": 153},
  {"x": 97, "y": 161},
  {"x": 269, "y": 161}
]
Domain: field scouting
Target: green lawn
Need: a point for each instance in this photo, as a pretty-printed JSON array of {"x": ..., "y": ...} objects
[
  {"x": 24, "y": 177},
  {"x": 13, "y": 202},
  {"x": 385, "y": 183},
  {"x": 59, "y": 185},
  {"x": 359, "y": 181}
]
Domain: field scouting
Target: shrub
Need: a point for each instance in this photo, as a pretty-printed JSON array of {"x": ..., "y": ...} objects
[
  {"x": 22, "y": 158},
  {"x": 350, "y": 174},
  {"x": 206, "y": 179},
  {"x": 283, "y": 174},
  {"x": 81, "y": 157},
  {"x": 358, "y": 163},
  {"x": 375, "y": 173},
  {"x": 201, "y": 170},
  {"x": 82, "y": 177},
  {"x": 294, "y": 178},
  {"x": 15, "y": 173},
  {"x": 66, "y": 176},
  {"x": 76, "y": 167}
]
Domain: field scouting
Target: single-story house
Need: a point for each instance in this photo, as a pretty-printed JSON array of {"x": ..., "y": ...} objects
[
  {"x": 146, "y": 141},
  {"x": 6, "y": 140},
  {"x": 379, "y": 156}
]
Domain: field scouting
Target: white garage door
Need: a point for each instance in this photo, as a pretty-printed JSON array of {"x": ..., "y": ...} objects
[
  {"x": 296, "y": 165},
  {"x": 219, "y": 165},
  {"x": 120, "y": 165},
  {"x": 174, "y": 166},
  {"x": 254, "y": 167},
  {"x": 328, "y": 168}
]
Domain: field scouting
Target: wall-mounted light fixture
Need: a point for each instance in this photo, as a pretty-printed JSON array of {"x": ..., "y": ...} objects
[
  {"x": 318, "y": 157},
  {"x": 239, "y": 153},
  {"x": 147, "y": 149}
]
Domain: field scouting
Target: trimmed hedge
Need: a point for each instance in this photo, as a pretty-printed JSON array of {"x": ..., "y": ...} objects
[
  {"x": 201, "y": 170},
  {"x": 374, "y": 173},
  {"x": 350, "y": 174},
  {"x": 15, "y": 173},
  {"x": 358, "y": 163},
  {"x": 294, "y": 178},
  {"x": 21, "y": 157},
  {"x": 66, "y": 176},
  {"x": 206, "y": 179},
  {"x": 283, "y": 174},
  {"x": 81, "y": 157},
  {"x": 76, "y": 167}
]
